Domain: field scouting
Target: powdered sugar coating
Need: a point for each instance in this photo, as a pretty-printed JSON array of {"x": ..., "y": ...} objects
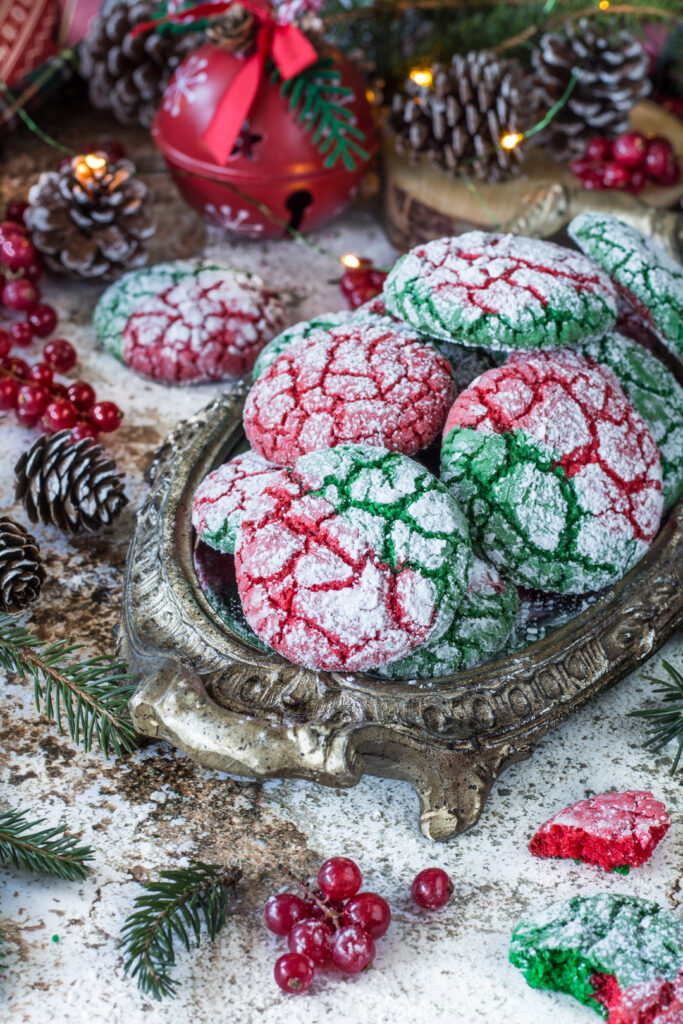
[
  {"x": 356, "y": 383},
  {"x": 303, "y": 329},
  {"x": 659, "y": 1001},
  {"x": 353, "y": 558},
  {"x": 188, "y": 321},
  {"x": 560, "y": 478},
  {"x": 501, "y": 292},
  {"x": 646, "y": 275},
  {"x": 225, "y": 495},
  {"x": 481, "y": 625}
]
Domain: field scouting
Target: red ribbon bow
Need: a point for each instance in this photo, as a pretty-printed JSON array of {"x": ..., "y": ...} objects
[{"x": 289, "y": 48}]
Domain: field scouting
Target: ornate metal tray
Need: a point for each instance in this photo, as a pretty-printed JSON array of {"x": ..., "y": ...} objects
[{"x": 250, "y": 713}]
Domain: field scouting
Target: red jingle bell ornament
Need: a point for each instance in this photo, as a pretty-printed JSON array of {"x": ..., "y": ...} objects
[{"x": 231, "y": 130}]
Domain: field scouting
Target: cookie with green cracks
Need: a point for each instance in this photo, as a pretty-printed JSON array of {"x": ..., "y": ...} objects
[
  {"x": 482, "y": 624},
  {"x": 647, "y": 276},
  {"x": 571, "y": 946},
  {"x": 501, "y": 292}
]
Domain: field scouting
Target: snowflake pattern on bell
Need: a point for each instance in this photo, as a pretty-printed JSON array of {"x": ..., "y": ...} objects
[
  {"x": 237, "y": 221},
  {"x": 183, "y": 85}
]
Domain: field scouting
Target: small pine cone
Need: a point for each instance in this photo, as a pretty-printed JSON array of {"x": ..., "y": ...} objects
[
  {"x": 233, "y": 30},
  {"x": 128, "y": 75},
  {"x": 87, "y": 226},
  {"x": 612, "y": 76},
  {"x": 71, "y": 484},
  {"x": 21, "y": 568}
]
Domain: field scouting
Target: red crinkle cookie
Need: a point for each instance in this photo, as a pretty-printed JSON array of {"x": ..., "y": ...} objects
[
  {"x": 612, "y": 830},
  {"x": 655, "y": 1001},
  {"x": 357, "y": 383}
]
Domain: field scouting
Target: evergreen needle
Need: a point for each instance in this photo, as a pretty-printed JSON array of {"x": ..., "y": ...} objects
[
  {"x": 46, "y": 852},
  {"x": 92, "y": 694},
  {"x": 666, "y": 719},
  {"x": 173, "y": 909}
]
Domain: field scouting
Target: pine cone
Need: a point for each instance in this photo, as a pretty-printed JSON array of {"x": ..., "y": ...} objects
[
  {"x": 21, "y": 568},
  {"x": 71, "y": 484},
  {"x": 459, "y": 120},
  {"x": 612, "y": 77},
  {"x": 128, "y": 75},
  {"x": 233, "y": 30},
  {"x": 90, "y": 229}
]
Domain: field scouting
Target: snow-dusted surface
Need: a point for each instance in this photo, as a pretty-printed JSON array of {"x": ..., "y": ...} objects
[{"x": 157, "y": 808}]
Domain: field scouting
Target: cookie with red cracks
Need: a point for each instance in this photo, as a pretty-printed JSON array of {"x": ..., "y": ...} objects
[
  {"x": 352, "y": 558},
  {"x": 359, "y": 382},
  {"x": 559, "y": 476},
  {"x": 655, "y": 1001},
  {"x": 501, "y": 292},
  {"x": 225, "y": 495}
]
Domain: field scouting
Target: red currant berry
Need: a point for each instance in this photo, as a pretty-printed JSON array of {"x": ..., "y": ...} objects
[
  {"x": 629, "y": 149},
  {"x": 59, "y": 390},
  {"x": 33, "y": 399},
  {"x": 17, "y": 367},
  {"x": 29, "y": 419},
  {"x": 42, "y": 373},
  {"x": 283, "y": 911},
  {"x": 658, "y": 152},
  {"x": 84, "y": 430},
  {"x": 43, "y": 320},
  {"x": 370, "y": 912},
  {"x": 82, "y": 395},
  {"x": 15, "y": 210},
  {"x": 8, "y": 393},
  {"x": 593, "y": 179},
  {"x": 615, "y": 175},
  {"x": 352, "y": 949},
  {"x": 637, "y": 180},
  {"x": 16, "y": 252},
  {"x": 339, "y": 878},
  {"x": 671, "y": 173},
  {"x": 20, "y": 295},
  {"x": 581, "y": 166},
  {"x": 10, "y": 229},
  {"x": 5, "y": 342},
  {"x": 598, "y": 149},
  {"x": 431, "y": 888},
  {"x": 61, "y": 415},
  {"x": 60, "y": 354},
  {"x": 294, "y": 973},
  {"x": 106, "y": 416},
  {"x": 34, "y": 270},
  {"x": 312, "y": 938},
  {"x": 21, "y": 333}
]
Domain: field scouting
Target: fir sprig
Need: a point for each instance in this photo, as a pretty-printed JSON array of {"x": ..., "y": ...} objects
[
  {"x": 315, "y": 94},
  {"x": 665, "y": 720},
  {"x": 48, "y": 851},
  {"x": 90, "y": 695},
  {"x": 171, "y": 910}
]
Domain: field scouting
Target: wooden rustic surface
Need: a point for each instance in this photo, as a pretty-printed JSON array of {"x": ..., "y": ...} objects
[{"x": 155, "y": 809}]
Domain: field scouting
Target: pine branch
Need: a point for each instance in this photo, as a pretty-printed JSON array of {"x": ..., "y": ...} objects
[
  {"x": 666, "y": 720},
  {"x": 173, "y": 909},
  {"x": 3, "y": 950},
  {"x": 92, "y": 695},
  {"x": 47, "y": 852}
]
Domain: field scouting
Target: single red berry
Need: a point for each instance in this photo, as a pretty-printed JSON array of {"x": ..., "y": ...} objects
[
  {"x": 34, "y": 270},
  {"x": 8, "y": 393},
  {"x": 582, "y": 165},
  {"x": 106, "y": 416},
  {"x": 370, "y": 912},
  {"x": 10, "y": 228},
  {"x": 60, "y": 354},
  {"x": 20, "y": 295},
  {"x": 637, "y": 180},
  {"x": 283, "y": 911},
  {"x": 82, "y": 430},
  {"x": 82, "y": 395},
  {"x": 598, "y": 149},
  {"x": 615, "y": 175},
  {"x": 61, "y": 414},
  {"x": 5, "y": 342},
  {"x": 431, "y": 888},
  {"x": 360, "y": 284},
  {"x": 352, "y": 949},
  {"x": 312, "y": 938},
  {"x": 59, "y": 390},
  {"x": 294, "y": 973},
  {"x": 21, "y": 333},
  {"x": 659, "y": 150},
  {"x": 630, "y": 149},
  {"x": 43, "y": 320},
  {"x": 17, "y": 367},
  {"x": 29, "y": 419},
  {"x": 339, "y": 878},
  {"x": 671, "y": 174},
  {"x": 593, "y": 179},
  {"x": 15, "y": 210},
  {"x": 16, "y": 252},
  {"x": 33, "y": 399},
  {"x": 42, "y": 373}
]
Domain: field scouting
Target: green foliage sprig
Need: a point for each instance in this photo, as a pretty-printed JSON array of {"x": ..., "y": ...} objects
[
  {"x": 666, "y": 719},
  {"x": 90, "y": 695},
  {"x": 48, "y": 851},
  {"x": 173, "y": 910}
]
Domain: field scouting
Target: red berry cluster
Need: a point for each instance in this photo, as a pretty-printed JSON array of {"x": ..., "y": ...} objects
[
  {"x": 32, "y": 391},
  {"x": 335, "y": 923},
  {"x": 362, "y": 283},
  {"x": 627, "y": 163}
]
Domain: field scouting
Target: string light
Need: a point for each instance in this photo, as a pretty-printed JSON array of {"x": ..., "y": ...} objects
[
  {"x": 350, "y": 261},
  {"x": 421, "y": 76},
  {"x": 511, "y": 140},
  {"x": 603, "y": 5}
]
